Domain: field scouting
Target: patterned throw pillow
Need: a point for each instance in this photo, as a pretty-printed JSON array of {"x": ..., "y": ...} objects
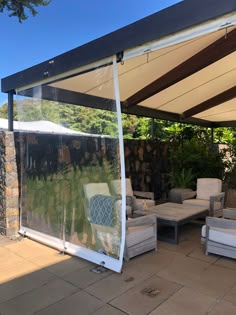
[{"x": 102, "y": 210}]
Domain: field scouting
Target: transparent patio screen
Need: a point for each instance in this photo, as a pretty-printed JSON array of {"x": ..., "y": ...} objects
[{"x": 67, "y": 160}]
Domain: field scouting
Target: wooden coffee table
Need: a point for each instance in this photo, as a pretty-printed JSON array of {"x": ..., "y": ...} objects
[{"x": 174, "y": 215}]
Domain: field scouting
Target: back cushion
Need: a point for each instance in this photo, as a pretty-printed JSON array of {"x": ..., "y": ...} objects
[
  {"x": 116, "y": 187},
  {"x": 207, "y": 187},
  {"x": 129, "y": 189},
  {"x": 93, "y": 189}
]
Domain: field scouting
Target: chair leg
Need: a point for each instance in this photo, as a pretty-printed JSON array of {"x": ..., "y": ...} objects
[{"x": 126, "y": 258}]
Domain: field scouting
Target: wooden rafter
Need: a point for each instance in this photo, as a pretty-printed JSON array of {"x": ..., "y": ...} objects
[
  {"x": 214, "y": 52},
  {"x": 212, "y": 102}
]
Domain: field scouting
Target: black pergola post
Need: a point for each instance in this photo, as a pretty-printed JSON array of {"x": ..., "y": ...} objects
[
  {"x": 212, "y": 138},
  {"x": 10, "y": 110},
  {"x": 152, "y": 128}
]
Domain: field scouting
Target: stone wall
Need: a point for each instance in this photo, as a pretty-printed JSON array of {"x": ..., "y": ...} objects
[
  {"x": 2, "y": 184},
  {"x": 146, "y": 164},
  {"x": 9, "y": 188}
]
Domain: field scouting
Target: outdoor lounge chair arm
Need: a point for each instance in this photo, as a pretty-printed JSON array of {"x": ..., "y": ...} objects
[
  {"x": 144, "y": 194},
  {"x": 217, "y": 200},
  {"x": 143, "y": 220},
  {"x": 229, "y": 214},
  {"x": 219, "y": 195},
  {"x": 212, "y": 222},
  {"x": 86, "y": 208}
]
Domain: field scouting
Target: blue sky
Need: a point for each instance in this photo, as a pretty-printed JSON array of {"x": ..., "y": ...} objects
[{"x": 64, "y": 25}]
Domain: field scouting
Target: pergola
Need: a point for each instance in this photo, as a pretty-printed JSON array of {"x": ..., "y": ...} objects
[{"x": 177, "y": 64}]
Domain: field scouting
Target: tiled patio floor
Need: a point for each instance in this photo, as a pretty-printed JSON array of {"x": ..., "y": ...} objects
[{"x": 178, "y": 279}]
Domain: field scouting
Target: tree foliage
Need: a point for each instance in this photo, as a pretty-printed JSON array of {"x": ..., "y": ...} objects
[
  {"x": 97, "y": 121},
  {"x": 19, "y": 8}
]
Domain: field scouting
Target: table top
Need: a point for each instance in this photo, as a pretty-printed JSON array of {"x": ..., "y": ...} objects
[{"x": 176, "y": 211}]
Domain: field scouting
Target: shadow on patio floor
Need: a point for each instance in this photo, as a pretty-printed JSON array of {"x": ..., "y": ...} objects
[{"x": 178, "y": 279}]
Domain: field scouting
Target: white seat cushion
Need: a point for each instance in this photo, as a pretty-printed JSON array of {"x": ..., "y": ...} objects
[
  {"x": 222, "y": 236},
  {"x": 138, "y": 234}
]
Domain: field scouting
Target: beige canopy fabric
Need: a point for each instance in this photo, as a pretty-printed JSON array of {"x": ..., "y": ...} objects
[{"x": 207, "y": 94}]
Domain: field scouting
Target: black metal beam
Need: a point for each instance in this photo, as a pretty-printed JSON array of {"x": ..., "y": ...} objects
[
  {"x": 142, "y": 111},
  {"x": 71, "y": 97},
  {"x": 230, "y": 123},
  {"x": 212, "y": 102},
  {"x": 176, "y": 18},
  {"x": 214, "y": 52},
  {"x": 10, "y": 110},
  {"x": 76, "y": 98}
]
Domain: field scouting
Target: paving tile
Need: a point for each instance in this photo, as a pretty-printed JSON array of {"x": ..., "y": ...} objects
[
  {"x": 223, "y": 307},
  {"x": 114, "y": 285},
  {"x": 9, "y": 259},
  {"x": 184, "y": 247},
  {"x": 60, "y": 264},
  {"x": 4, "y": 252},
  {"x": 146, "y": 296},
  {"x": 78, "y": 303},
  {"x": 15, "y": 270},
  {"x": 199, "y": 253},
  {"x": 46, "y": 260},
  {"x": 231, "y": 296},
  {"x": 37, "y": 299},
  {"x": 68, "y": 266},
  {"x": 183, "y": 270},
  {"x": 4, "y": 240},
  {"x": 28, "y": 249},
  {"x": 84, "y": 277},
  {"x": 226, "y": 262},
  {"x": 109, "y": 310},
  {"x": 186, "y": 301},
  {"x": 152, "y": 262},
  {"x": 215, "y": 281},
  {"x": 23, "y": 284}
]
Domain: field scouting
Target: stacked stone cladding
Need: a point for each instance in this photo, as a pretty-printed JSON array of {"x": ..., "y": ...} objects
[{"x": 9, "y": 186}]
